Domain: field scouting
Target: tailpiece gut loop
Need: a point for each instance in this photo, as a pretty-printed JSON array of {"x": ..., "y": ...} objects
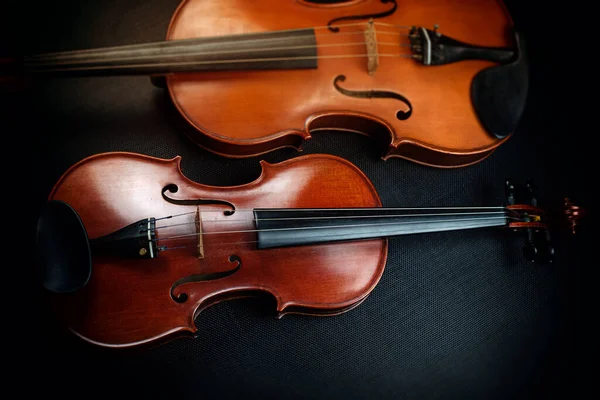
[{"x": 173, "y": 189}]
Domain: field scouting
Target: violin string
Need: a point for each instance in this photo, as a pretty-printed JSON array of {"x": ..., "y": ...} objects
[
  {"x": 327, "y": 218},
  {"x": 212, "y": 245},
  {"x": 503, "y": 208},
  {"x": 219, "y": 244},
  {"x": 465, "y": 208},
  {"x": 165, "y": 248},
  {"x": 126, "y": 47},
  {"x": 46, "y": 59},
  {"x": 386, "y": 208},
  {"x": 53, "y": 58},
  {"x": 75, "y": 53},
  {"x": 204, "y": 53},
  {"x": 162, "y": 248},
  {"x": 191, "y": 63},
  {"x": 177, "y": 215},
  {"x": 399, "y": 27},
  {"x": 504, "y": 217}
]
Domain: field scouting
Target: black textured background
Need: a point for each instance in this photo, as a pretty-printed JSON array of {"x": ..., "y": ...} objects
[{"x": 455, "y": 315}]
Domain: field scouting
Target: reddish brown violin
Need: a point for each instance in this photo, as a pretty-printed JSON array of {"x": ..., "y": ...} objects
[
  {"x": 134, "y": 259},
  {"x": 255, "y": 76}
]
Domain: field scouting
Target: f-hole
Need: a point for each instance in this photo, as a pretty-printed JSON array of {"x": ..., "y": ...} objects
[
  {"x": 183, "y": 297},
  {"x": 172, "y": 188},
  {"x": 375, "y": 94},
  {"x": 364, "y": 17}
]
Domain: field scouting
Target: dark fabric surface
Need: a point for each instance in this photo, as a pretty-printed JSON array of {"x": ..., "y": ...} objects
[{"x": 455, "y": 315}]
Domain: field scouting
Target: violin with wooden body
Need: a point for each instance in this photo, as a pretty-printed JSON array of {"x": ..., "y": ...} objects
[
  {"x": 438, "y": 82},
  {"x": 134, "y": 260}
]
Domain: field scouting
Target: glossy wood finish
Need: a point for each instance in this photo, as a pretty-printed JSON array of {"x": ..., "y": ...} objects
[
  {"x": 247, "y": 113},
  {"x": 128, "y": 302}
]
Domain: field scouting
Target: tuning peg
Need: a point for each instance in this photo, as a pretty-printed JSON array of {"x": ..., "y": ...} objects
[
  {"x": 531, "y": 189},
  {"x": 538, "y": 246},
  {"x": 510, "y": 191},
  {"x": 574, "y": 214},
  {"x": 549, "y": 246},
  {"x": 530, "y": 252}
]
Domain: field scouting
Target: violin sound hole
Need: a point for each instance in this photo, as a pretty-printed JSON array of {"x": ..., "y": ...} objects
[
  {"x": 402, "y": 115},
  {"x": 172, "y": 188},
  {"x": 359, "y": 17},
  {"x": 183, "y": 297}
]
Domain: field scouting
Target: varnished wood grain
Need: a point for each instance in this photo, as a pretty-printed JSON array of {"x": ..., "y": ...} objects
[
  {"x": 247, "y": 113},
  {"x": 128, "y": 302}
]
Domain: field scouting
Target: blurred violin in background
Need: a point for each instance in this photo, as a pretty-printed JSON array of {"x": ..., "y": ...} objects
[{"x": 438, "y": 82}]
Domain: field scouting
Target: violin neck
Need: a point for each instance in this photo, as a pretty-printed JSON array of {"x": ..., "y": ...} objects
[
  {"x": 290, "y": 49},
  {"x": 295, "y": 227}
]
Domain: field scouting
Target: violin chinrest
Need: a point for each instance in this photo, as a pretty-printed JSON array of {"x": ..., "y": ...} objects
[
  {"x": 64, "y": 255},
  {"x": 499, "y": 93}
]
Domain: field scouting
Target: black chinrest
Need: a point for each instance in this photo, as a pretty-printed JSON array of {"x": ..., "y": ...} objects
[
  {"x": 64, "y": 255},
  {"x": 499, "y": 94}
]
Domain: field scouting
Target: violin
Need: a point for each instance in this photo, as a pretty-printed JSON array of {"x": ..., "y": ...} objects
[
  {"x": 437, "y": 82},
  {"x": 131, "y": 250}
]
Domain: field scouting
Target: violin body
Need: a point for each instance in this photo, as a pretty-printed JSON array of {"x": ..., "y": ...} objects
[
  {"x": 246, "y": 113},
  {"x": 129, "y": 302}
]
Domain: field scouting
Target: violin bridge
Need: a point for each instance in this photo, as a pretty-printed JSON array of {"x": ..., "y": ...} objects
[
  {"x": 372, "y": 52},
  {"x": 199, "y": 233}
]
